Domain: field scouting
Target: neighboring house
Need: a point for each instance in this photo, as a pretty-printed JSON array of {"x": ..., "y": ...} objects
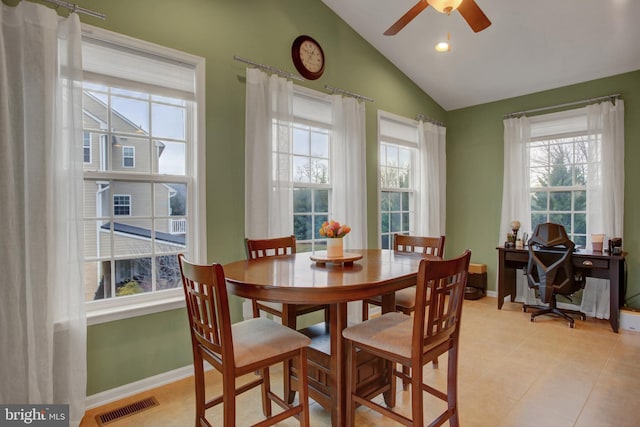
[{"x": 127, "y": 208}]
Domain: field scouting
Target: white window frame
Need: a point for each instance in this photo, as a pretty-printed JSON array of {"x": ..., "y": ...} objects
[
  {"x": 128, "y": 198},
  {"x": 147, "y": 303},
  {"x": 86, "y": 144},
  {"x": 125, "y": 148},
  {"x": 399, "y": 142},
  {"x": 314, "y": 122},
  {"x": 556, "y": 189}
]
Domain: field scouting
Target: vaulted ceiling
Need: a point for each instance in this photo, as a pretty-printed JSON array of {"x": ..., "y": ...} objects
[{"x": 532, "y": 45}]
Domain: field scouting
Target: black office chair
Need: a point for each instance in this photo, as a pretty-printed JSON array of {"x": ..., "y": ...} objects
[{"x": 550, "y": 270}]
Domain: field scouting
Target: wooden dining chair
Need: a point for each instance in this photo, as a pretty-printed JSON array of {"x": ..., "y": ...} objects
[
  {"x": 288, "y": 313},
  {"x": 239, "y": 349},
  {"x": 413, "y": 341},
  {"x": 405, "y": 298}
]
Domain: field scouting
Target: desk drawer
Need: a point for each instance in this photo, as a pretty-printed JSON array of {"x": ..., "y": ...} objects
[{"x": 590, "y": 263}]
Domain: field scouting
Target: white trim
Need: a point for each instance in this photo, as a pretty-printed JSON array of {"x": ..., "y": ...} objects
[
  {"x": 118, "y": 393},
  {"x": 629, "y": 320},
  {"x": 113, "y": 309}
]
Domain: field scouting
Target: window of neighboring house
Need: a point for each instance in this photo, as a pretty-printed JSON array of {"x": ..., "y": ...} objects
[
  {"x": 144, "y": 101},
  {"x": 121, "y": 205},
  {"x": 86, "y": 147},
  {"x": 558, "y": 159},
  {"x": 311, "y": 153},
  {"x": 398, "y": 145},
  {"x": 128, "y": 157}
]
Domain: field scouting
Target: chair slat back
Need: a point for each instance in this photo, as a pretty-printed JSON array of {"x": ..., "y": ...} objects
[
  {"x": 437, "y": 318},
  {"x": 259, "y": 248},
  {"x": 208, "y": 308},
  {"x": 427, "y": 245}
]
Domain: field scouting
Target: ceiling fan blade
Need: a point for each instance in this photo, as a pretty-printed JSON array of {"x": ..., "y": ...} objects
[
  {"x": 474, "y": 16},
  {"x": 406, "y": 18}
]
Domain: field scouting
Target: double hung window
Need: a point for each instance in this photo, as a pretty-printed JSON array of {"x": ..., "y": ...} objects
[
  {"x": 311, "y": 159},
  {"x": 398, "y": 145},
  {"x": 142, "y": 185}
]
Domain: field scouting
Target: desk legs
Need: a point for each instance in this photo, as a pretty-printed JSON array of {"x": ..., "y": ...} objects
[{"x": 506, "y": 280}]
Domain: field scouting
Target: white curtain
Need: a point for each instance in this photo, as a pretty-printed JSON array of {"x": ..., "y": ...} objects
[
  {"x": 605, "y": 192},
  {"x": 348, "y": 169},
  {"x": 269, "y": 186},
  {"x": 43, "y": 325},
  {"x": 515, "y": 183},
  {"x": 432, "y": 180}
]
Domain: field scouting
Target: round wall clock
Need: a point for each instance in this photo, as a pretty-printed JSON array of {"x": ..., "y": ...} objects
[{"x": 308, "y": 57}]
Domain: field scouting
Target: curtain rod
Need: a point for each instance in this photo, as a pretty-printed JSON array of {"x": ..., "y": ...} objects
[
  {"x": 75, "y": 8},
  {"x": 348, "y": 93},
  {"x": 568, "y": 104},
  {"x": 422, "y": 117},
  {"x": 268, "y": 68}
]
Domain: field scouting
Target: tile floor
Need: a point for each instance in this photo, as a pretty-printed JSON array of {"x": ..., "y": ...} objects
[{"x": 512, "y": 373}]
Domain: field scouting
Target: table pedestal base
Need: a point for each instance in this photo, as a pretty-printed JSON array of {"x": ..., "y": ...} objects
[{"x": 373, "y": 373}]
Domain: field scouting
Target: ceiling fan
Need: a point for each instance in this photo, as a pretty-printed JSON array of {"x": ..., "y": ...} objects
[{"x": 469, "y": 10}]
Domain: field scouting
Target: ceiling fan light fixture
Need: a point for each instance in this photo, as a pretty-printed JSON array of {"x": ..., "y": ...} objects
[{"x": 445, "y": 6}]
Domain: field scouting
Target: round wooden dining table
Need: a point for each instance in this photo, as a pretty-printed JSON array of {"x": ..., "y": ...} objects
[{"x": 297, "y": 279}]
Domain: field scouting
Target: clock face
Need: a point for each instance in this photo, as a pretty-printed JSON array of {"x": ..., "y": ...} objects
[{"x": 308, "y": 57}]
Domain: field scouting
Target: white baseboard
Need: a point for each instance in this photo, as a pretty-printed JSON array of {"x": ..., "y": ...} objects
[
  {"x": 136, "y": 387},
  {"x": 630, "y": 320}
]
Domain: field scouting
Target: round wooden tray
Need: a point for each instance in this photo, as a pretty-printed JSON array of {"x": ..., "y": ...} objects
[{"x": 347, "y": 258}]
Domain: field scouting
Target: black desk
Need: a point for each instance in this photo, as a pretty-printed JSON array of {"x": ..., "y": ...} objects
[{"x": 594, "y": 264}]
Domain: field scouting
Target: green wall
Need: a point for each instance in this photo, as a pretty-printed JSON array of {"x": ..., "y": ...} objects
[{"x": 124, "y": 351}]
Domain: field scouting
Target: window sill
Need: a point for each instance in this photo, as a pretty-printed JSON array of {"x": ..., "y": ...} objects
[{"x": 110, "y": 314}]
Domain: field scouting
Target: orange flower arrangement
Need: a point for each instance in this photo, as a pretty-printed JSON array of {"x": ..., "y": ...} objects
[{"x": 333, "y": 229}]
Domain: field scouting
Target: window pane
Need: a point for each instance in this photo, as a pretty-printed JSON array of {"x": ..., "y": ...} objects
[
  {"x": 168, "y": 121},
  {"x": 580, "y": 241},
  {"x": 538, "y": 177},
  {"x": 94, "y": 288},
  {"x": 396, "y": 222},
  {"x": 301, "y": 169},
  {"x": 170, "y": 199},
  {"x": 168, "y": 272},
  {"x": 129, "y": 115},
  {"x": 302, "y": 200},
  {"x": 405, "y": 201},
  {"x": 394, "y": 199},
  {"x": 320, "y": 144},
  {"x": 560, "y": 176},
  {"x": 539, "y": 201},
  {"x": 537, "y": 219},
  {"x": 129, "y": 152},
  {"x": 562, "y": 219},
  {"x": 405, "y": 221},
  {"x": 132, "y": 237},
  {"x": 318, "y": 220},
  {"x": 171, "y": 157},
  {"x": 580, "y": 175},
  {"x": 302, "y": 225},
  {"x": 385, "y": 220},
  {"x": 300, "y": 141},
  {"x": 139, "y": 196},
  {"x": 321, "y": 200},
  {"x": 133, "y": 276},
  {"x": 385, "y": 204},
  {"x": 385, "y": 241},
  {"x": 319, "y": 171},
  {"x": 580, "y": 200},
  {"x": 539, "y": 155},
  {"x": 97, "y": 239},
  {"x": 560, "y": 201},
  {"x": 580, "y": 223}
]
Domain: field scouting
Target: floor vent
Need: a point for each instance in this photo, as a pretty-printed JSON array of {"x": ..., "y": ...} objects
[{"x": 125, "y": 411}]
